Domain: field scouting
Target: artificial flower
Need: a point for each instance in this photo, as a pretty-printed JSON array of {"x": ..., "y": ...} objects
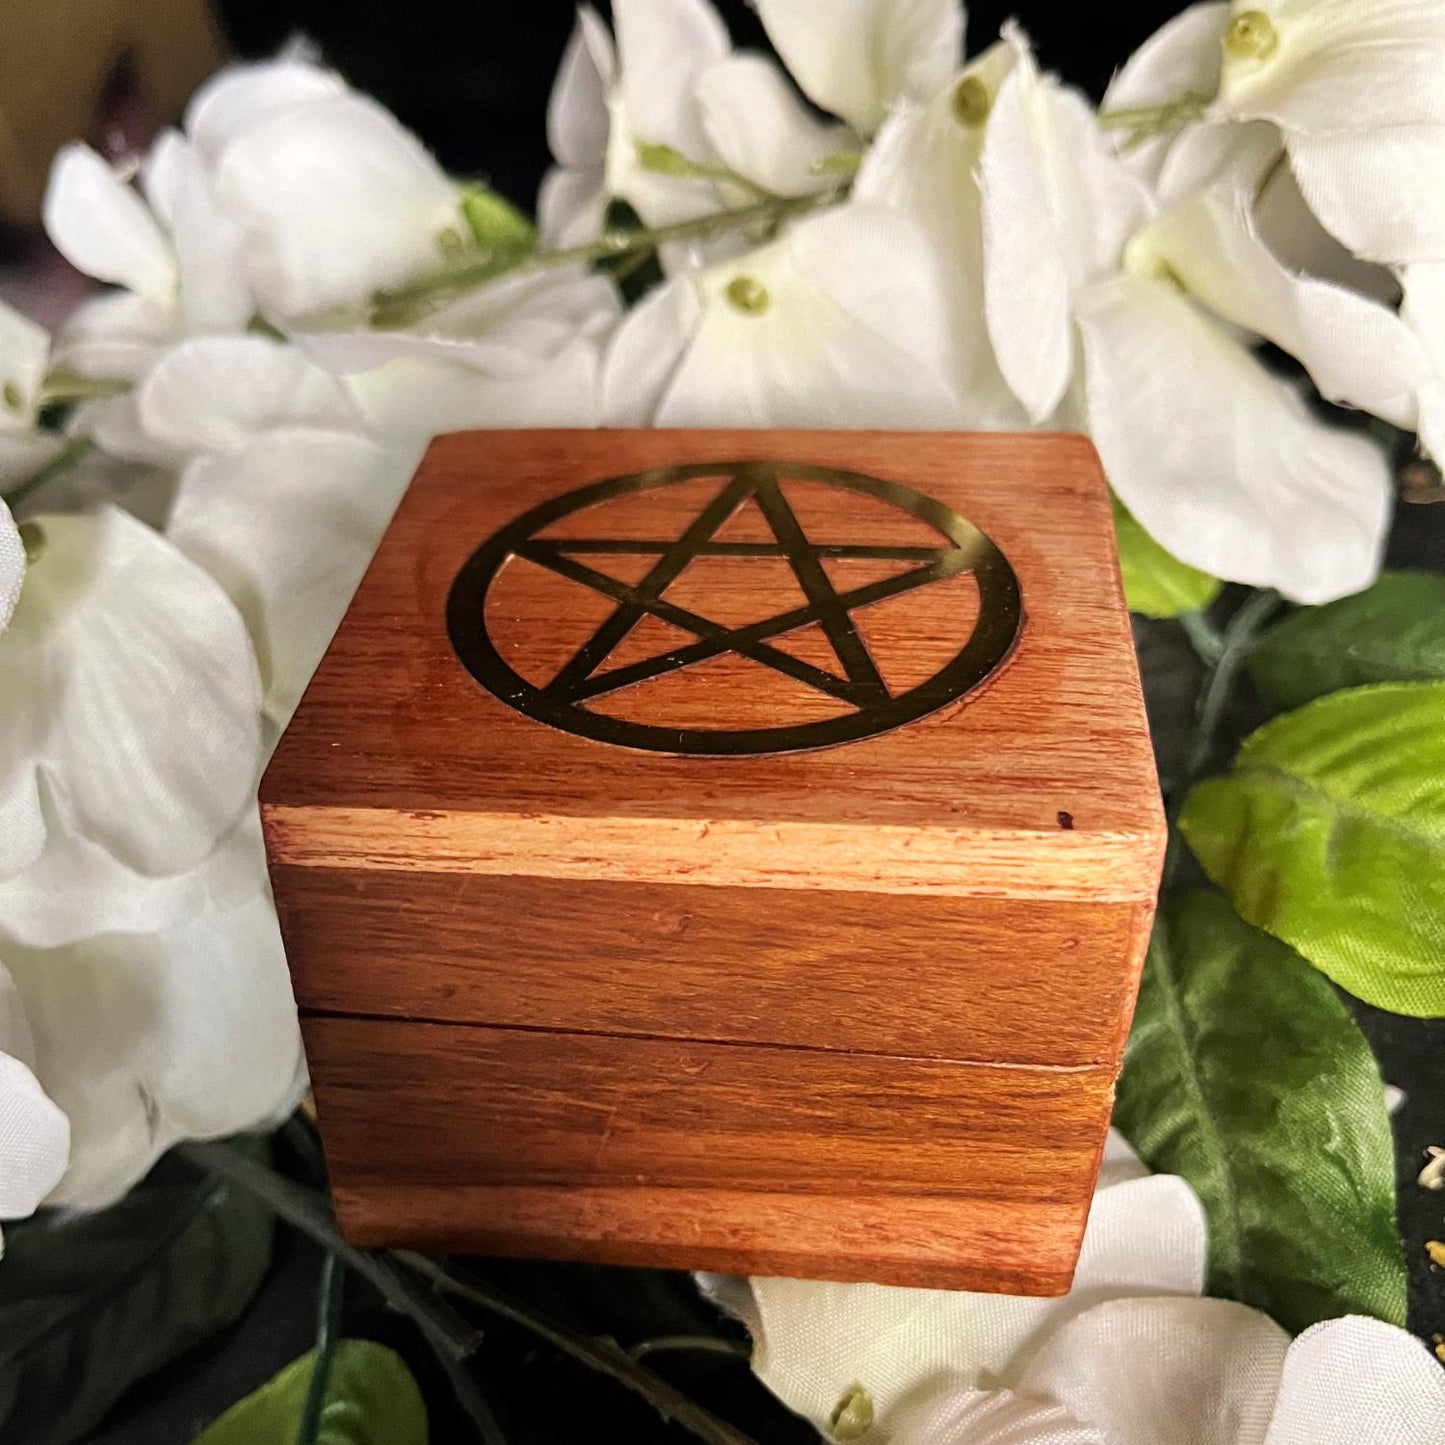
[
  {"x": 12, "y": 565},
  {"x": 1219, "y": 460},
  {"x": 858, "y": 58},
  {"x": 130, "y": 719},
  {"x": 24, "y": 358},
  {"x": 838, "y": 323},
  {"x": 921, "y": 165},
  {"x": 1130, "y": 1356},
  {"x": 1358, "y": 93},
  {"x": 669, "y": 119},
  {"x": 140, "y": 1040}
]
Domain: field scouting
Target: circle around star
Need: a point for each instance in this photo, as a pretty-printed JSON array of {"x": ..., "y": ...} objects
[{"x": 870, "y": 707}]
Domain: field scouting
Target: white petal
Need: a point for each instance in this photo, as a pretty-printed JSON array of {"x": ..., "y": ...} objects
[
  {"x": 214, "y": 292},
  {"x": 22, "y": 454},
  {"x": 505, "y": 328},
  {"x": 853, "y": 334},
  {"x": 662, "y": 47},
  {"x": 114, "y": 425},
  {"x": 287, "y": 526},
  {"x": 116, "y": 335},
  {"x": 34, "y": 1140},
  {"x": 131, "y": 691},
  {"x": 1341, "y": 64},
  {"x": 988, "y": 1417},
  {"x": 1356, "y": 1381},
  {"x": 1381, "y": 192},
  {"x": 1156, "y": 1371},
  {"x": 336, "y": 201},
  {"x": 855, "y": 58},
  {"x": 760, "y": 128},
  {"x": 1182, "y": 57},
  {"x": 24, "y": 355},
  {"x": 924, "y": 163},
  {"x": 577, "y": 108},
  {"x": 1026, "y": 265},
  {"x": 1219, "y": 460},
  {"x": 145, "y": 1039},
  {"x": 1236, "y": 156},
  {"x": 76, "y": 889},
  {"x": 813, "y": 1340},
  {"x": 571, "y": 206},
  {"x": 215, "y": 393},
  {"x": 1358, "y": 352},
  {"x": 1423, "y": 309},
  {"x": 244, "y": 96},
  {"x": 645, "y": 351},
  {"x": 102, "y": 226},
  {"x": 12, "y": 565}
]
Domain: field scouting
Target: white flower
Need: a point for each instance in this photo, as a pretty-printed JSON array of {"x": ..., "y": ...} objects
[
  {"x": 922, "y": 164},
  {"x": 130, "y": 716},
  {"x": 1219, "y": 460},
  {"x": 139, "y": 1040},
  {"x": 1358, "y": 92},
  {"x": 671, "y": 81},
  {"x": 522, "y": 350},
  {"x": 858, "y": 58},
  {"x": 12, "y": 565},
  {"x": 1146, "y": 1236},
  {"x": 24, "y": 358},
  {"x": 839, "y": 322},
  {"x": 1129, "y": 1357}
]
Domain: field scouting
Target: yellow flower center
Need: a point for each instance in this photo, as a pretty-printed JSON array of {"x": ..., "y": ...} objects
[
  {"x": 971, "y": 102},
  {"x": 11, "y": 394},
  {"x": 1251, "y": 36},
  {"x": 852, "y": 1416},
  {"x": 748, "y": 295},
  {"x": 450, "y": 243}
]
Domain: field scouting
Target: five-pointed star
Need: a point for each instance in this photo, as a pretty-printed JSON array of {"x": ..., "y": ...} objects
[{"x": 861, "y": 683}]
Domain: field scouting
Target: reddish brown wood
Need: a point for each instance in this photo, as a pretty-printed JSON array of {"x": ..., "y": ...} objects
[
  {"x": 593, "y": 1147},
  {"x": 933, "y": 977},
  {"x": 852, "y": 1012}
]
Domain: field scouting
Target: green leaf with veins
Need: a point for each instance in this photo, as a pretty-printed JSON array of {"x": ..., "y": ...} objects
[
  {"x": 1391, "y": 632},
  {"x": 1245, "y": 1074},
  {"x": 1329, "y": 833}
]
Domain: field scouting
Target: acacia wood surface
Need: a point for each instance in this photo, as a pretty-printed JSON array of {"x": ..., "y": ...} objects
[
  {"x": 398, "y": 758},
  {"x": 708, "y": 1155},
  {"x": 929, "y": 977}
]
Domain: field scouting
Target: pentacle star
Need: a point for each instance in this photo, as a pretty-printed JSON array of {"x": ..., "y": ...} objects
[{"x": 860, "y": 685}]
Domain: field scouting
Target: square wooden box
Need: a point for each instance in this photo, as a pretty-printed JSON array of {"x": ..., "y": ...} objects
[{"x": 812, "y": 949}]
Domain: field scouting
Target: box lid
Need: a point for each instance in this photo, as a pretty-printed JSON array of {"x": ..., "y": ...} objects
[{"x": 835, "y": 660}]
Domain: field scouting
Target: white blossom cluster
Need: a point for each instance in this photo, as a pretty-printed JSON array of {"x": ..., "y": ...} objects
[{"x": 906, "y": 240}]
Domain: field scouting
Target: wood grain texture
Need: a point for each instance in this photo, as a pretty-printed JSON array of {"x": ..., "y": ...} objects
[
  {"x": 705, "y": 1155},
  {"x": 927, "y": 977},
  {"x": 397, "y": 758}
]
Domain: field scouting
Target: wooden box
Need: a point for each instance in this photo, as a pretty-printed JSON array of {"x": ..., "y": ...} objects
[{"x": 726, "y": 850}]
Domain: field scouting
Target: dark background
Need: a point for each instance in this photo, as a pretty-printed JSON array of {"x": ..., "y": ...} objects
[{"x": 472, "y": 80}]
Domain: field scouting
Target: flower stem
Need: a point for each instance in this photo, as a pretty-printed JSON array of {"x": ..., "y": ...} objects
[
  {"x": 406, "y": 304},
  {"x": 1145, "y": 121},
  {"x": 1223, "y": 652},
  {"x": 602, "y": 1355},
  {"x": 328, "y": 1315}
]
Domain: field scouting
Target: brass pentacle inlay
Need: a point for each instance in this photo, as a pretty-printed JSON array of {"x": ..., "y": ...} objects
[{"x": 777, "y": 569}]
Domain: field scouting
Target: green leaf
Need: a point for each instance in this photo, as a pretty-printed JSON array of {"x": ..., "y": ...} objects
[
  {"x": 1246, "y": 1075},
  {"x": 1156, "y": 582},
  {"x": 497, "y": 226},
  {"x": 371, "y": 1399},
  {"x": 1330, "y": 834},
  {"x": 91, "y": 1303},
  {"x": 1391, "y": 632}
]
